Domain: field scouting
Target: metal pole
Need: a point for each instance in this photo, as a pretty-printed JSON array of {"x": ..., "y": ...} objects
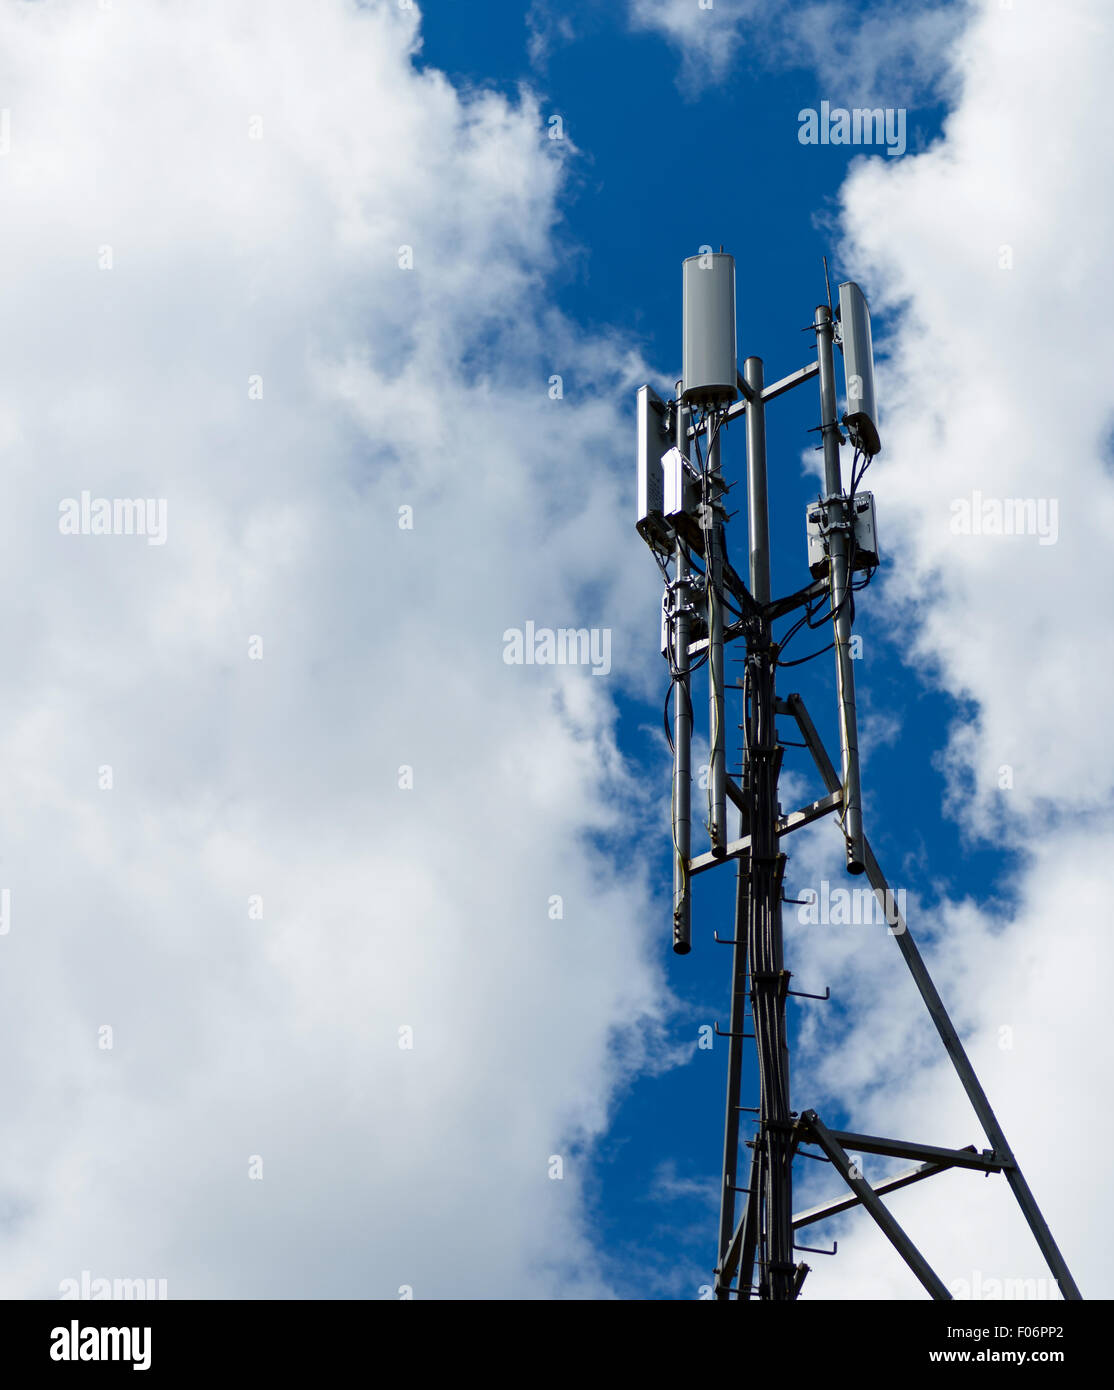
[
  {"x": 765, "y": 863},
  {"x": 717, "y": 771},
  {"x": 769, "y": 981},
  {"x": 734, "y": 1076},
  {"x": 840, "y": 582},
  {"x": 758, "y": 512},
  {"x": 679, "y": 629}
]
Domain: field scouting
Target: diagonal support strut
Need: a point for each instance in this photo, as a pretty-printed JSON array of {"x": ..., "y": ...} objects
[
  {"x": 820, "y": 1134},
  {"x": 944, "y": 1026}
]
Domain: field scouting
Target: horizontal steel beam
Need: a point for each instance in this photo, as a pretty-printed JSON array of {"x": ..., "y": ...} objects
[
  {"x": 807, "y": 814},
  {"x": 880, "y": 1189},
  {"x": 780, "y": 606},
  {"x": 813, "y": 1129},
  {"x": 786, "y": 824},
  {"x": 927, "y": 1153},
  {"x": 702, "y": 862},
  {"x": 769, "y": 393},
  {"x": 730, "y": 632},
  {"x": 786, "y": 383}
]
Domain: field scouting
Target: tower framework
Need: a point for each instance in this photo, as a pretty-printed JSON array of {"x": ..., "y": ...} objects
[{"x": 707, "y": 605}]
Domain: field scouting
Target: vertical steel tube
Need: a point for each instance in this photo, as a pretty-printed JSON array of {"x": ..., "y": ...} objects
[
  {"x": 758, "y": 511},
  {"x": 736, "y": 1028},
  {"x": 717, "y": 770},
  {"x": 758, "y": 514},
  {"x": 839, "y": 584},
  {"x": 679, "y": 629},
  {"x": 768, "y": 980}
]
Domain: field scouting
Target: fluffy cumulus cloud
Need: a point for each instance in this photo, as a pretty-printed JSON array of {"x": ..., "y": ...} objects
[
  {"x": 1034, "y": 1026},
  {"x": 989, "y": 253},
  {"x": 708, "y": 38},
  {"x": 872, "y": 53},
  {"x": 276, "y": 807}
]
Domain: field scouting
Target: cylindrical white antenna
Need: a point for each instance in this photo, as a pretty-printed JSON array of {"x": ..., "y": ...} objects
[
  {"x": 708, "y": 336},
  {"x": 861, "y": 419}
]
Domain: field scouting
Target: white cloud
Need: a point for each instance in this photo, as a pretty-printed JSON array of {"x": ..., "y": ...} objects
[
  {"x": 278, "y": 257},
  {"x": 989, "y": 254},
  {"x": 708, "y": 39},
  {"x": 669, "y": 1186},
  {"x": 546, "y": 27},
  {"x": 874, "y": 56},
  {"x": 996, "y": 384},
  {"x": 1034, "y": 1026}
]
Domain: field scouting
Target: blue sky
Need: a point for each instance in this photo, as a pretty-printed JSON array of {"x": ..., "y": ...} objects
[{"x": 664, "y": 167}]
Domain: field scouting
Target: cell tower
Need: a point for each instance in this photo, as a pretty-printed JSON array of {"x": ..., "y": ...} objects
[{"x": 705, "y": 605}]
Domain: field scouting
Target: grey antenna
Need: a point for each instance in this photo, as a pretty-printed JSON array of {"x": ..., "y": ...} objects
[
  {"x": 711, "y": 380},
  {"x": 861, "y": 418}
]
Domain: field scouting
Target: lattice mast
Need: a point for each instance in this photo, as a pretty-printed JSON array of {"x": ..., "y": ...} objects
[{"x": 706, "y": 605}]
